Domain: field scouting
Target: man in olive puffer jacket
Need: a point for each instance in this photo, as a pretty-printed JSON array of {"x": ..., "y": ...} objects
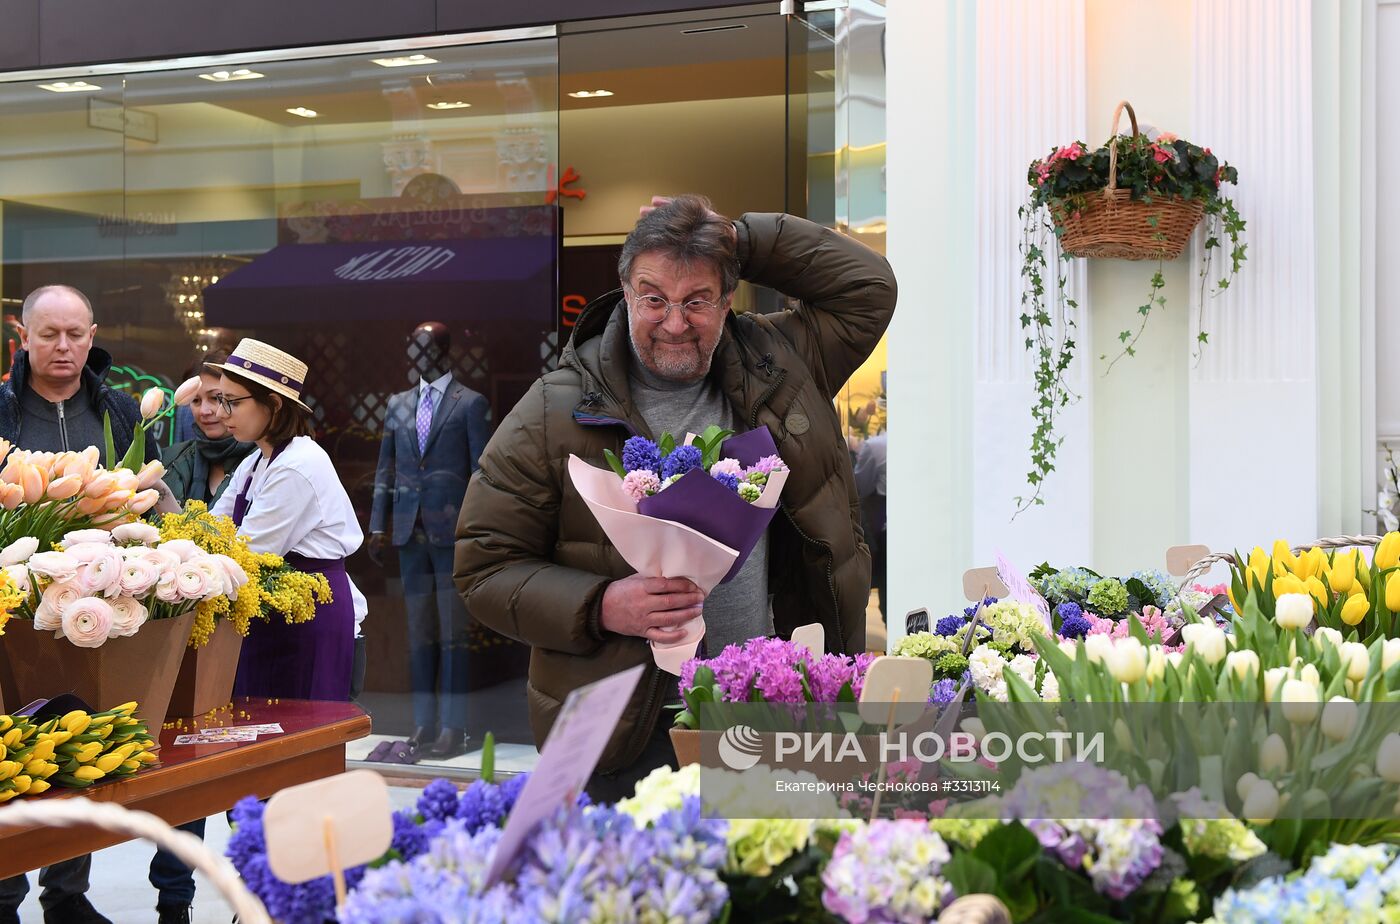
[{"x": 664, "y": 353}]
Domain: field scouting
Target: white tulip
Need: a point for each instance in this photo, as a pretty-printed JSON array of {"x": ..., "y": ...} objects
[
  {"x": 1127, "y": 660},
  {"x": 1099, "y": 647},
  {"x": 1272, "y": 678},
  {"x": 1262, "y": 803},
  {"x": 1390, "y": 653},
  {"x": 1388, "y": 759},
  {"x": 1244, "y": 784},
  {"x": 1339, "y": 718},
  {"x": 1208, "y": 641},
  {"x": 1241, "y": 663},
  {"x": 1293, "y": 611},
  {"x": 1330, "y": 636},
  {"x": 1156, "y": 665},
  {"x": 1356, "y": 660},
  {"x": 1309, "y": 674},
  {"x": 1300, "y": 705},
  {"x": 1273, "y": 755}
]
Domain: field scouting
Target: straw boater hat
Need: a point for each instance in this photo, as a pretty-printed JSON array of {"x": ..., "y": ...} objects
[{"x": 269, "y": 367}]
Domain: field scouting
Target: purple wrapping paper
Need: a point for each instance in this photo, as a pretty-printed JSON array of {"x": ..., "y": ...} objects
[{"x": 699, "y": 501}]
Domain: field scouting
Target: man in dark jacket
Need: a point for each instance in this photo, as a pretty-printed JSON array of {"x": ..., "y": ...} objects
[
  {"x": 57, "y": 392},
  {"x": 665, "y": 354},
  {"x": 54, "y": 401}
]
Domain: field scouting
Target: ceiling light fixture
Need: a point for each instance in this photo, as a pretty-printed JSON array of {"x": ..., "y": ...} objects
[
  {"x": 457, "y": 105},
  {"x": 404, "y": 61},
  {"x": 69, "y": 86},
  {"x": 224, "y": 76},
  {"x": 304, "y": 112},
  {"x": 590, "y": 94}
]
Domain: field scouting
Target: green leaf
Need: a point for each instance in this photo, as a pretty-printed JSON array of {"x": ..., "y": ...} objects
[
  {"x": 615, "y": 463},
  {"x": 111, "y": 444},
  {"x": 1010, "y": 849},
  {"x": 668, "y": 443},
  {"x": 136, "y": 453},
  {"x": 969, "y": 875}
]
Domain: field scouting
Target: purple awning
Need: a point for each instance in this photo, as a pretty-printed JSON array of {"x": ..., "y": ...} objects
[{"x": 486, "y": 279}]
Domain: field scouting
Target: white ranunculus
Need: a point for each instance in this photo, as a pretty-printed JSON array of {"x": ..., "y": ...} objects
[
  {"x": 87, "y": 622},
  {"x": 79, "y": 536},
  {"x": 193, "y": 583},
  {"x": 139, "y": 575},
  {"x": 18, "y": 552},
  {"x": 184, "y": 548}
]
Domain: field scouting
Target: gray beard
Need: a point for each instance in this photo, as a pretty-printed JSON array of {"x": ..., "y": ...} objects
[{"x": 689, "y": 371}]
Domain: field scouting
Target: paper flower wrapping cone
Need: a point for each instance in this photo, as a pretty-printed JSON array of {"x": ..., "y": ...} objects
[{"x": 696, "y": 529}]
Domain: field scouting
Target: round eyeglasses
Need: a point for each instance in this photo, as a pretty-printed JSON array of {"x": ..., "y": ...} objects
[{"x": 654, "y": 309}]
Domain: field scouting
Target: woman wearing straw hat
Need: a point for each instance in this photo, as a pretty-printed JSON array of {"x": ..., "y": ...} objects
[{"x": 288, "y": 499}]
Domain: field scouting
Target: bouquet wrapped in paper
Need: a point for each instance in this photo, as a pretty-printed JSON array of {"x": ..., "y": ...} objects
[{"x": 693, "y": 510}]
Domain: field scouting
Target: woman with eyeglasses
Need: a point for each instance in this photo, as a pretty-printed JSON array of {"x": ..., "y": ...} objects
[
  {"x": 202, "y": 468},
  {"x": 287, "y": 499}
]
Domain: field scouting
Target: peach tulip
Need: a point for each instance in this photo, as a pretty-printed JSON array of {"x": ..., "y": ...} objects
[
  {"x": 117, "y": 500},
  {"x": 126, "y": 480},
  {"x": 35, "y": 482},
  {"x": 187, "y": 390},
  {"x": 150, "y": 473},
  {"x": 65, "y": 487},
  {"x": 91, "y": 506},
  {"x": 144, "y": 501},
  {"x": 11, "y": 496},
  {"x": 101, "y": 486},
  {"x": 5, "y": 447},
  {"x": 152, "y": 402}
]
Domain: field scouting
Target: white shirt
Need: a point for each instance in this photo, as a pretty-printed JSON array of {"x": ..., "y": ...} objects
[{"x": 297, "y": 504}]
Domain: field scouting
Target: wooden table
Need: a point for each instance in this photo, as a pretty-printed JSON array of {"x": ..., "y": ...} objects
[{"x": 195, "y": 781}]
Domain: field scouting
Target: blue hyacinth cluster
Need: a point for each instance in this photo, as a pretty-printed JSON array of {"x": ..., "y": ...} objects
[
  {"x": 680, "y": 460},
  {"x": 949, "y": 625},
  {"x": 641, "y": 454}
]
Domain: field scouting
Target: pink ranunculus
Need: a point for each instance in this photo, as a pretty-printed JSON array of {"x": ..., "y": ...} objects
[
  {"x": 165, "y": 559},
  {"x": 85, "y": 537},
  {"x": 144, "y": 533},
  {"x": 59, "y": 595},
  {"x": 218, "y": 577},
  {"x": 57, "y": 566},
  {"x": 234, "y": 575},
  {"x": 128, "y": 615},
  {"x": 46, "y": 619},
  {"x": 19, "y": 551},
  {"x": 87, "y": 622},
  {"x": 192, "y": 582},
  {"x": 168, "y": 589},
  {"x": 641, "y": 483},
  {"x": 139, "y": 574},
  {"x": 184, "y": 548},
  {"x": 84, "y": 552}
]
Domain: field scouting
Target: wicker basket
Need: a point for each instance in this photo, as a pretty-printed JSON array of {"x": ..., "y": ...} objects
[
  {"x": 1335, "y": 542},
  {"x": 1117, "y": 225}
]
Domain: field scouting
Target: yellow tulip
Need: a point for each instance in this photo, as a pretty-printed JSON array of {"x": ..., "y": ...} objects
[
  {"x": 1388, "y": 552},
  {"x": 108, "y": 762},
  {"x": 1284, "y": 559},
  {"x": 1342, "y": 576},
  {"x": 89, "y": 774},
  {"x": 1312, "y": 563},
  {"x": 75, "y": 722},
  {"x": 1318, "y": 590},
  {"x": 1288, "y": 584},
  {"x": 147, "y": 757},
  {"x": 22, "y": 783},
  {"x": 1355, "y": 610},
  {"x": 39, "y": 786},
  {"x": 1392, "y": 593},
  {"x": 1363, "y": 575}
]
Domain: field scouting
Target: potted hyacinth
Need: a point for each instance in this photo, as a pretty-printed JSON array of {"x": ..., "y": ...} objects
[{"x": 762, "y": 670}]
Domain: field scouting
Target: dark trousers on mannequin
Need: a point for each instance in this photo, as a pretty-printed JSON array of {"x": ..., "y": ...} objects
[{"x": 437, "y": 634}]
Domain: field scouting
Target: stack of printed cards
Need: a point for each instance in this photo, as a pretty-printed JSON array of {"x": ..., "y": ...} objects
[{"x": 231, "y": 734}]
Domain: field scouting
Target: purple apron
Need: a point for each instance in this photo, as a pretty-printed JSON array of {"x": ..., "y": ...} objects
[{"x": 309, "y": 660}]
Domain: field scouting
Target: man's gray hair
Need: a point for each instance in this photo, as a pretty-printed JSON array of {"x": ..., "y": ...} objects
[
  {"x": 32, "y": 299},
  {"x": 685, "y": 231}
]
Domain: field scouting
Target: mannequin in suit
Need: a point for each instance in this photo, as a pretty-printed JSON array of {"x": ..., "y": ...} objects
[{"x": 433, "y": 435}]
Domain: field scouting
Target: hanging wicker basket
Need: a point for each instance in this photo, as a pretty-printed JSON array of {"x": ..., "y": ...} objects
[{"x": 1114, "y": 224}]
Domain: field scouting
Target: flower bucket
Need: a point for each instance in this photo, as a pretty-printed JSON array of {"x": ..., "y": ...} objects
[
  {"x": 686, "y": 742},
  {"x": 141, "y": 667},
  {"x": 690, "y": 743},
  {"x": 1115, "y": 225},
  {"x": 205, "y": 681}
]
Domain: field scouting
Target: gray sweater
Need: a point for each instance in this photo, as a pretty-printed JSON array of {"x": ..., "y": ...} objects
[{"x": 738, "y": 610}]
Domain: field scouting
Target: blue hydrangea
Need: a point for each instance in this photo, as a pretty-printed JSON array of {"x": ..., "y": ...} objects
[
  {"x": 1160, "y": 585},
  {"x": 681, "y": 460},
  {"x": 641, "y": 453},
  {"x": 949, "y": 625},
  {"x": 729, "y": 481},
  {"x": 986, "y": 602}
]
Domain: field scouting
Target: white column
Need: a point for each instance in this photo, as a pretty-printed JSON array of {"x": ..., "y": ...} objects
[
  {"x": 1253, "y": 396},
  {"x": 1030, "y": 99},
  {"x": 930, "y": 78}
]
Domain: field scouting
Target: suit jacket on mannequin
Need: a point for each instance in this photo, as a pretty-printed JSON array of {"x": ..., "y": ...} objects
[{"x": 431, "y": 483}]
